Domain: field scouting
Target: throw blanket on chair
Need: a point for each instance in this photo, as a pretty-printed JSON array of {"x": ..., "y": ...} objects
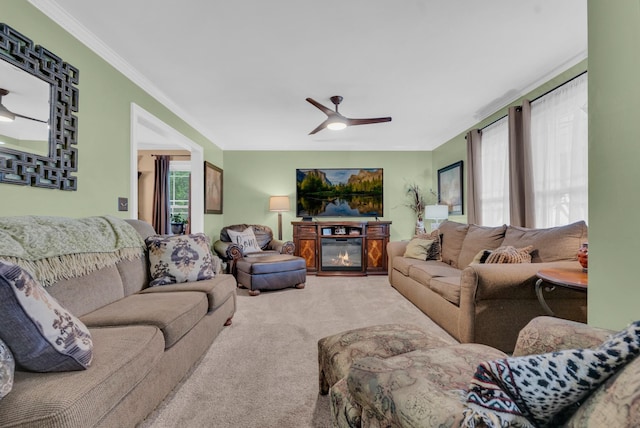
[{"x": 54, "y": 248}]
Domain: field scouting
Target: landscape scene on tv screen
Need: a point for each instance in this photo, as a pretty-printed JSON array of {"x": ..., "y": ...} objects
[{"x": 339, "y": 192}]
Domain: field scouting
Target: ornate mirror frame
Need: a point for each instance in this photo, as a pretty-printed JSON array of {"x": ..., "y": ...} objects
[{"x": 55, "y": 170}]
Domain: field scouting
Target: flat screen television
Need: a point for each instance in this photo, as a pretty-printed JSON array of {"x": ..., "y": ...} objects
[{"x": 339, "y": 192}]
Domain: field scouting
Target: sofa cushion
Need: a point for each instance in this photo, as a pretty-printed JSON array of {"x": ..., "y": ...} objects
[
  {"x": 87, "y": 293},
  {"x": 42, "y": 335},
  {"x": 452, "y": 237},
  {"x": 448, "y": 287},
  {"x": 418, "y": 248},
  {"x": 7, "y": 367},
  {"x": 435, "y": 249},
  {"x": 402, "y": 264},
  {"x": 424, "y": 272},
  {"x": 479, "y": 238},
  {"x": 173, "y": 313},
  {"x": 549, "y": 245},
  {"x": 179, "y": 258},
  {"x": 218, "y": 289},
  {"x": 538, "y": 387},
  {"x": 123, "y": 357}
]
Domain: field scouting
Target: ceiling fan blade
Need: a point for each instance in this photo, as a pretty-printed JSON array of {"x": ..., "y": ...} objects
[
  {"x": 320, "y": 127},
  {"x": 30, "y": 118},
  {"x": 324, "y": 109},
  {"x": 352, "y": 122}
]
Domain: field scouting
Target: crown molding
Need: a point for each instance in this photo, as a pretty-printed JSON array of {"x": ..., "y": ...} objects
[{"x": 61, "y": 17}]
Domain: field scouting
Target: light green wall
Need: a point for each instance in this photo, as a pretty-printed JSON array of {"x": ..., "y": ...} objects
[
  {"x": 251, "y": 177},
  {"x": 103, "y": 131},
  {"x": 614, "y": 154}
]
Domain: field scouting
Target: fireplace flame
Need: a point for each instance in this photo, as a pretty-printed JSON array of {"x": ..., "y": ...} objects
[{"x": 342, "y": 259}]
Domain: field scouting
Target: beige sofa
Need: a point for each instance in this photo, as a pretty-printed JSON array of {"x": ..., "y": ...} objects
[
  {"x": 145, "y": 340},
  {"x": 488, "y": 303}
]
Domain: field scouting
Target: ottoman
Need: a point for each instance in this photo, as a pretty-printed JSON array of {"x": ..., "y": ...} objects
[
  {"x": 336, "y": 353},
  {"x": 271, "y": 272}
]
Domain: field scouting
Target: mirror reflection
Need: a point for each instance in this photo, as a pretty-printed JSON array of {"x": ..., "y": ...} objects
[{"x": 25, "y": 99}]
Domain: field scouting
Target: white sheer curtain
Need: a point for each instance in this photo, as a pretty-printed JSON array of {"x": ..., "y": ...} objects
[
  {"x": 559, "y": 153},
  {"x": 494, "y": 155}
]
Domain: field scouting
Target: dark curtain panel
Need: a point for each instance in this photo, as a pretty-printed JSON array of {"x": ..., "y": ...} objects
[
  {"x": 474, "y": 176},
  {"x": 161, "y": 195},
  {"x": 521, "y": 209}
]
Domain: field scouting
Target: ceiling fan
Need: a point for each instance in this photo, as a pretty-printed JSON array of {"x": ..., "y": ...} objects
[
  {"x": 7, "y": 115},
  {"x": 336, "y": 121}
]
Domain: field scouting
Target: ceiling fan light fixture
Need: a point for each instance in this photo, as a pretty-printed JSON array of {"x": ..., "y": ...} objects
[{"x": 337, "y": 125}]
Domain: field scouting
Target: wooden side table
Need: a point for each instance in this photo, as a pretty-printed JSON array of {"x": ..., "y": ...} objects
[{"x": 574, "y": 279}]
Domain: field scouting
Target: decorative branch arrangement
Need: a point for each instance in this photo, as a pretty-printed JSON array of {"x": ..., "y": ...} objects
[{"x": 416, "y": 200}]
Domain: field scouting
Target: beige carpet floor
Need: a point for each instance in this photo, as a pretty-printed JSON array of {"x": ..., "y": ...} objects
[{"x": 262, "y": 371}]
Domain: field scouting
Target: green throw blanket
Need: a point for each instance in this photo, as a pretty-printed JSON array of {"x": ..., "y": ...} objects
[{"x": 54, "y": 248}]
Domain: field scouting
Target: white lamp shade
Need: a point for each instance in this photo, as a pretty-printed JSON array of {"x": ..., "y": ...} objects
[
  {"x": 436, "y": 212},
  {"x": 279, "y": 203}
]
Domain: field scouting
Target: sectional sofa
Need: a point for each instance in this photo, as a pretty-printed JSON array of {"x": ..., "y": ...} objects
[
  {"x": 145, "y": 340},
  {"x": 488, "y": 303}
]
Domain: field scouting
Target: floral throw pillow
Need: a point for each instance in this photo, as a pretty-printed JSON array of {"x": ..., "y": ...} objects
[
  {"x": 180, "y": 258},
  {"x": 246, "y": 240},
  {"x": 42, "y": 335},
  {"x": 7, "y": 367},
  {"x": 543, "y": 390}
]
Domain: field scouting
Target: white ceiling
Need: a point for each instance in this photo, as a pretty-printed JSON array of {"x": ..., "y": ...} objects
[{"x": 239, "y": 71}]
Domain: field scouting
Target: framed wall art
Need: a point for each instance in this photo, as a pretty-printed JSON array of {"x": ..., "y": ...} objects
[
  {"x": 450, "y": 188},
  {"x": 212, "y": 189}
]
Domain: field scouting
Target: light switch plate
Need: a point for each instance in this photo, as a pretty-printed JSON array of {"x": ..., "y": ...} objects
[{"x": 123, "y": 204}]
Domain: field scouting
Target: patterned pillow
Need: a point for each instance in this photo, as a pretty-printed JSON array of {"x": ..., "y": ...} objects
[
  {"x": 42, "y": 335},
  {"x": 7, "y": 367},
  {"x": 180, "y": 258},
  {"x": 509, "y": 254},
  {"x": 245, "y": 239},
  {"x": 481, "y": 257},
  {"x": 542, "y": 390},
  {"x": 418, "y": 248},
  {"x": 435, "y": 249}
]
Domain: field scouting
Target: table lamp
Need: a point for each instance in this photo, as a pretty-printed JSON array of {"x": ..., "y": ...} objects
[
  {"x": 279, "y": 204},
  {"x": 437, "y": 213}
]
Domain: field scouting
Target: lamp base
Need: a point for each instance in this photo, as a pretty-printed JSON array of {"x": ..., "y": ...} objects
[{"x": 434, "y": 226}]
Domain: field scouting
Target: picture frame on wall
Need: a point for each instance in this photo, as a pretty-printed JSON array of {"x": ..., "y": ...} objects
[
  {"x": 450, "y": 188},
  {"x": 212, "y": 189}
]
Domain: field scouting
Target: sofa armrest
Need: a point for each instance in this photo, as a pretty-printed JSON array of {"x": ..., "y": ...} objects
[
  {"x": 504, "y": 281},
  {"x": 282, "y": 247},
  {"x": 395, "y": 248},
  {"x": 227, "y": 251},
  {"x": 548, "y": 334}
]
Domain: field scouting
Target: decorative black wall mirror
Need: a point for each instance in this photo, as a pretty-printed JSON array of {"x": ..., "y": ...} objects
[{"x": 38, "y": 91}]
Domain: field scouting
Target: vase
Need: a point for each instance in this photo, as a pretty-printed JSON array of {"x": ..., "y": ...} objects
[
  {"x": 420, "y": 227},
  {"x": 583, "y": 256}
]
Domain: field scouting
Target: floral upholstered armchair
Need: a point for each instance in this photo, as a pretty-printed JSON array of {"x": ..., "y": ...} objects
[{"x": 248, "y": 240}]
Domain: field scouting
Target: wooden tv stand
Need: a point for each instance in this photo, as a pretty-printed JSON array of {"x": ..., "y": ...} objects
[{"x": 371, "y": 237}]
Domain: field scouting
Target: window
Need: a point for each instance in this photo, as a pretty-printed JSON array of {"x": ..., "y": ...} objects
[
  {"x": 494, "y": 191},
  {"x": 559, "y": 152},
  {"x": 179, "y": 187}
]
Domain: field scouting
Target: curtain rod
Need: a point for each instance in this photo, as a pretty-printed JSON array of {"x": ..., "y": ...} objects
[{"x": 535, "y": 99}]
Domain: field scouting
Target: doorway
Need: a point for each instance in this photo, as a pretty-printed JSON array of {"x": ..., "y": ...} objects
[{"x": 150, "y": 133}]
